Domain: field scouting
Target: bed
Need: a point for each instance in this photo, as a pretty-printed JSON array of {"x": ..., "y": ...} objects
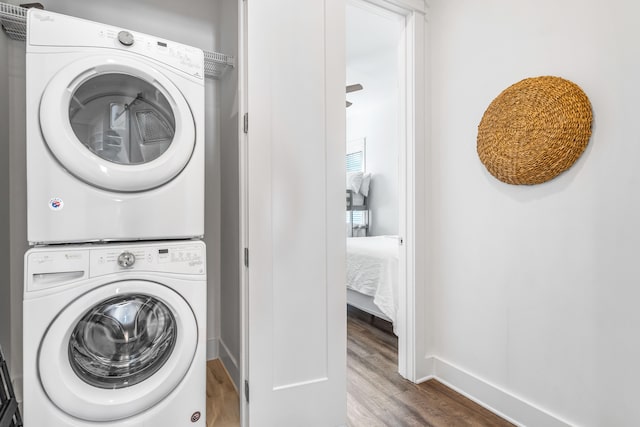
[
  {"x": 357, "y": 208},
  {"x": 372, "y": 275}
]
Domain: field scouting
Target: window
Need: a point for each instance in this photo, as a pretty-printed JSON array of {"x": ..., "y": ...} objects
[
  {"x": 355, "y": 162},
  {"x": 355, "y": 156}
]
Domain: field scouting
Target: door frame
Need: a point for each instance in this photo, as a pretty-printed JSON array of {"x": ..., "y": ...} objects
[
  {"x": 411, "y": 319},
  {"x": 244, "y": 214}
]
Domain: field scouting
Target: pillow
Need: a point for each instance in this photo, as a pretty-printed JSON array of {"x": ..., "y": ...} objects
[
  {"x": 354, "y": 181},
  {"x": 364, "y": 186},
  {"x": 358, "y": 200}
]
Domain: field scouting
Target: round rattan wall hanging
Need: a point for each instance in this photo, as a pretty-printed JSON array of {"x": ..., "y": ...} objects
[{"x": 534, "y": 130}]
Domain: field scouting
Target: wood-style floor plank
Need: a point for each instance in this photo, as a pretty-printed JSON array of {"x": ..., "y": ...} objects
[
  {"x": 376, "y": 395},
  {"x": 223, "y": 405}
]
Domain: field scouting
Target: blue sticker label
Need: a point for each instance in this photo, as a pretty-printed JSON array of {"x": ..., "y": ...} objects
[{"x": 56, "y": 204}]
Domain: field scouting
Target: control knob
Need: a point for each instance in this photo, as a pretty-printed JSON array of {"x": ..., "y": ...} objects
[
  {"x": 126, "y": 259},
  {"x": 125, "y": 37}
]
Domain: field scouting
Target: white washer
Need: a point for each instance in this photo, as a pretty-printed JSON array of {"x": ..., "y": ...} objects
[
  {"x": 115, "y": 334},
  {"x": 115, "y": 133}
]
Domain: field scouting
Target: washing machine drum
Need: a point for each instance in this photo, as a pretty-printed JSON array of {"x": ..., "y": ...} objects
[
  {"x": 117, "y": 123},
  {"x": 123, "y": 355}
]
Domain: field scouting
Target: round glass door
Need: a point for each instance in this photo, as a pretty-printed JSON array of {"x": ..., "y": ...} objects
[
  {"x": 117, "y": 350},
  {"x": 122, "y": 118},
  {"x": 117, "y": 123},
  {"x": 122, "y": 341}
]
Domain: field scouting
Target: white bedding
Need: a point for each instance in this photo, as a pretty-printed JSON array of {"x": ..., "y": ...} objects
[{"x": 372, "y": 269}]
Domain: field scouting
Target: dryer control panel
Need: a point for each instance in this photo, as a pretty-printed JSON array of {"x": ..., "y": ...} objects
[{"x": 54, "y": 29}]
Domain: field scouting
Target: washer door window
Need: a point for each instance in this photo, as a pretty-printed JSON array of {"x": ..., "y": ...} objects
[
  {"x": 117, "y": 350},
  {"x": 117, "y": 123},
  {"x": 122, "y": 341}
]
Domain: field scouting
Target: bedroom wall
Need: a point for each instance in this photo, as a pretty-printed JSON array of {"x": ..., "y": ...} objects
[
  {"x": 536, "y": 287},
  {"x": 194, "y": 26},
  {"x": 375, "y": 123},
  {"x": 372, "y": 60}
]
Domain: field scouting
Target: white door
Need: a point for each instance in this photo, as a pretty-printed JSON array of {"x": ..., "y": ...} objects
[{"x": 294, "y": 228}]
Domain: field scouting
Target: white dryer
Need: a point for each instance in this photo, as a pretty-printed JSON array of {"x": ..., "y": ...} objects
[
  {"x": 115, "y": 133},
  {"x": 114, "y": 335}
]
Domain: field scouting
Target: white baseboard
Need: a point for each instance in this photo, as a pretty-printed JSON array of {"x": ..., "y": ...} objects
[
  {"x": 212, "y": 348},
  {"x": 497, "y": 400},
  {"x": 231, "y": 364},
  {"x": 425, "y": 369},
  {"x": 425, "y": 379}
]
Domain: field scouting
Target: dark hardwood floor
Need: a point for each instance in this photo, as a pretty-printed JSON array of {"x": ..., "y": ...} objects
[{"x": 378, "y": 396}]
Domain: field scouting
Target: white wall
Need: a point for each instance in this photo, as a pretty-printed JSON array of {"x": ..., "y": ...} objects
[
  {"x": 376, "y": 123},
  {"x": 229, "y": 197},
  {"x": 193, "y": 25},
  {"x": 372, "y": 60},
  {"x": 5, "y": 265},
  {"x": 189, "y": 22},
  {"x": 17, "y": 201},
  {"x": 536, "y": 287}
]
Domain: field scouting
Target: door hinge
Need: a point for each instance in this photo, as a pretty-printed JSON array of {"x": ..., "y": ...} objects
[
  {"x": 246, "y": 390},
  {"x": 246, "y": 123},
  {"x": 246, "y": 257}
]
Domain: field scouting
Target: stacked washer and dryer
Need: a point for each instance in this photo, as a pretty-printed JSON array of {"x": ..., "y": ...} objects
[{"x": 115, "y": 281}]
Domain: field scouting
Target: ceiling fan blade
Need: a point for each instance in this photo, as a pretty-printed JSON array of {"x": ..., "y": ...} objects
[
  {"x": 354, "y": 87},
  {"x": 349, "y": 104}
]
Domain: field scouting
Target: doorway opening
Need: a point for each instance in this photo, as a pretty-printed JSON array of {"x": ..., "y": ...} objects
[{"x": 378, "y": 150}]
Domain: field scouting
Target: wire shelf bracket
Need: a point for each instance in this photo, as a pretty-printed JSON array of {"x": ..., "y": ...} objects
[{"x": 14, "y": 23}]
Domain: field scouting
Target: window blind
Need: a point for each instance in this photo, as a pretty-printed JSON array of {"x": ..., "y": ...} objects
[{"x": 354, "y": 162}]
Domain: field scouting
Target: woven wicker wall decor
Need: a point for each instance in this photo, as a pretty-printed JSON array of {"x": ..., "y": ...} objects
[{"x": 534, "y": 130}]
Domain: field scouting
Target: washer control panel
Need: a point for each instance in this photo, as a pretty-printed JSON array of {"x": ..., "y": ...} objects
[
  {"x": 48, "y": 267},
  {"x": 180, "y": 258}
]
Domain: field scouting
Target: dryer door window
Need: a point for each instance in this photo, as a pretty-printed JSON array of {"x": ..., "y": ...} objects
[
  {"x": 122, "y": 118},
  {"x": 118, "y": 123},
  {"x": 122, "y": 341}
]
